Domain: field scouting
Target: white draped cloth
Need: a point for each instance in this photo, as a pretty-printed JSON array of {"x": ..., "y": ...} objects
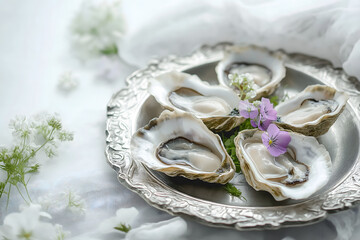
[{"x": 327, "y": 29}]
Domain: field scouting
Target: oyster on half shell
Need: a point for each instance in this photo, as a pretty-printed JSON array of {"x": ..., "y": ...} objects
[
  {"x": 313, "y": 111},
  {"x": 179, "y": 144},
  {"x": 297, "y": 174},
  {"x": 266, "y": 68},
  {"x": 184, "y": 92}
]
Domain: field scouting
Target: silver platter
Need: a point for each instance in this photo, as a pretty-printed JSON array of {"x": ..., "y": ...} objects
[{"x": 132, "y": 108}]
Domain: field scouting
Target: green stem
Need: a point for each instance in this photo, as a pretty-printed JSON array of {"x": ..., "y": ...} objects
[
  {"x": 21, "y": 194},
  {"x": 28, "y": 180},
  {"x": 6, "y": 181},
  {"x": 27, "y": 192},
  {"x": 50, "y": 136},
  {"x": 23, "y": 146},
  {"x": 241, "y": 95},
  {"x": 8, "y": 197},
  {"x": 23, "y": 180},
  {"x": 26, "y": 159}
]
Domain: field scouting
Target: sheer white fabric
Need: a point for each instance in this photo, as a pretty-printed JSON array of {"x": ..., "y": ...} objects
[{"x": 328, "y": 29}]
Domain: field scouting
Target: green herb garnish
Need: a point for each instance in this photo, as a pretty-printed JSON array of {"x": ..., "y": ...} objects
[
  {"x": 228, "y": 140},
  {"x": 231, "y": 189},
  {"x": 274, "y": 100},
  {"x": 123, "y": 228}
]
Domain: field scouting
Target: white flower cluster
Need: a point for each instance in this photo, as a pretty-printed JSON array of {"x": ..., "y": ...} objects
[
  {"x": 60, "y": 202},
  {"x": 97, "y": 28},
  {"x": 34, "y": 131},
  {"x": 31, "y": 223},
  {"x": 245, "y": 83}
]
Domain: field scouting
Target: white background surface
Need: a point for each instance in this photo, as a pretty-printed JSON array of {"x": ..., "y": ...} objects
[{"x": 34, "y": 49}]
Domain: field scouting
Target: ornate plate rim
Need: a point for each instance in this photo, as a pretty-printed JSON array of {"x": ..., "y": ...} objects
[{"x": 121, "y": 112}]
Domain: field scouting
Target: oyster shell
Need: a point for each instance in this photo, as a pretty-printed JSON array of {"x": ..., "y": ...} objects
[
  {"x": 179, "y": 144},
  {"x": 184, "y": 92},
  {"x": 297, "y": 174},
  {"x": 266, "y": 68},
  {"x": 313, "y": 111}
]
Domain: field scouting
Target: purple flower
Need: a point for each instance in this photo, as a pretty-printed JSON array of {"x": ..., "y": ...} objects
[
  {"x": 276, "y": 141},
  {"x": 260, "y": 122},
  {"x": 263, "y": 123},
  {"x": 267, "y": 110},
  {"x": 248, "y": 110},
  {"x": 254, "y": 123}
]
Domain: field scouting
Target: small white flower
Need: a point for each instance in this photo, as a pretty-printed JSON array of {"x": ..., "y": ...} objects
[
  {"x": 27, "y": 225},
  {"x": 21, "y": 128},
  {"x": 235, "y": 79},
  {"x": 67, "y": 82},
  {"x": 75, "y": 203},
  {"x": 248, "y": 77},
  {"x": 256, "y": 103},
  {"x": 18, "y": 123},
  {"x": 47, "y": 201},
  {"x": 174, "y": 229},
  {"x": 250, "y": 94},
  {"x": 245, "y": 84},
  {"x": 124, "y": 216},
  {"x": 60, "y": 233}
]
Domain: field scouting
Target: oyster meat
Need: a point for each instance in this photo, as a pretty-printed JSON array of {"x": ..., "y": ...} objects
[
  {"x": 297, "y": 174},
  {"x": 266, "y": 68},
  {"x": 313, "y": 111},
  {"x": 184, "y": 92},
  {"x": 179, "y": 144}
]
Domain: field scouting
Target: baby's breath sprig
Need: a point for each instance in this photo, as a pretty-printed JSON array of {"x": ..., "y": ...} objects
[
  {"x": 245, "y": 84},
  {"x": 32, "y": 136},
  {"x": 97, "y": 28}
]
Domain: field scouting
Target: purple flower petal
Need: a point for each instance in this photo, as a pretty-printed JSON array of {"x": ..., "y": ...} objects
[
  {"x": 265, "y": 139},
  {"x": 267, "y": 110},
  {"x": 244, "y": 113},
  {"x": 263, "y": 124},
  {"x": 254, "y": 123},
  {"x": 274, "y": 151},
  {"x": 254, "y": 113},
  {"x": 247, "y": 110},
  {"x": 273, "y": 130},
  {"x": 243, "y": 105},
  {"x": 276, "y": 141},
  {"x": 283, "y": 139}
]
